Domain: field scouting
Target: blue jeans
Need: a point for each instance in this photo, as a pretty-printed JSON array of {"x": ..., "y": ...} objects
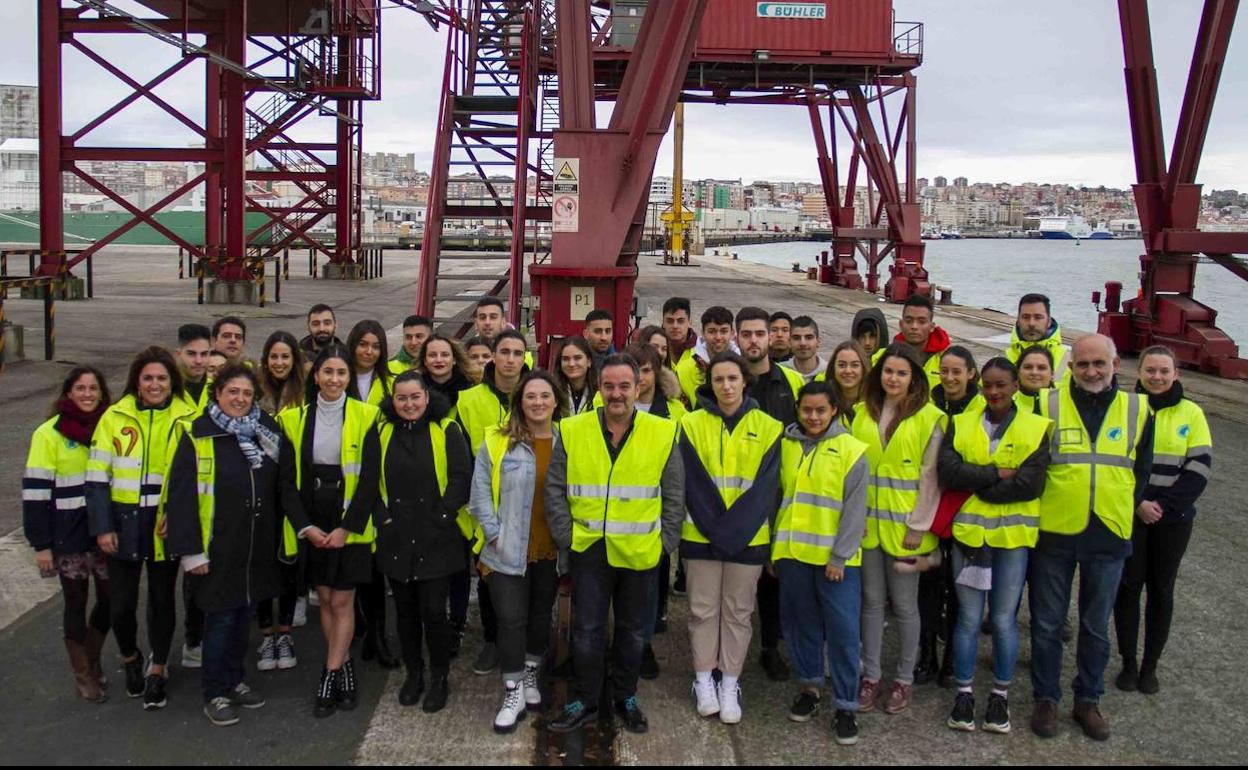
[
  {"x": 226, "y": 634},
  {"x": 1009, "y": 571},
  {"x": 1100, "y": 555},
  {"x": 817, "y": 614},
  {"x": 599, "y": 588}
]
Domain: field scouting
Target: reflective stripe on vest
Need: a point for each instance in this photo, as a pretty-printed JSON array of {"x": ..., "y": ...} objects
[
  {"x": 812, "y": 484},
  {"x": 629, "y": 516},
  {"x": 358, "y": 418},
  {"x": 731, "y": 459},
  {"x": 1088, "y": 476},
  {"x": 894, "y": 484},
  {"x": 999, "y": 525}
]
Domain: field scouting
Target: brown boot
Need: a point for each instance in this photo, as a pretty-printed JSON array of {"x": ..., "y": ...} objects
[
  {"x": 1093, "y": 722},
  {"x": 94, "y": 644},
  {"x": 88, "y": 688},
  {"x": 1044, "y": 719}
]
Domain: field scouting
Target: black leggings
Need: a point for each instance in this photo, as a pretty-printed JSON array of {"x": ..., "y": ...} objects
[
  {"x": 162, "y": 606},
  {"x": 77, "y": 592},
  {"x": 1157, "y": 550},
  {"x": 420, "y": 610}
]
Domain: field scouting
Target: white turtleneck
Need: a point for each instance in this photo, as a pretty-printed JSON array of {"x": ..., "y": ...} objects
[
  {"x": 327, "y": 435},
  {"x": 364, "y": 381}
]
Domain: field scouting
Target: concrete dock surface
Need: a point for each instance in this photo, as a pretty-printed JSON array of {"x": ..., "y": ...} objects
[{"x": 1196, "y": 718}]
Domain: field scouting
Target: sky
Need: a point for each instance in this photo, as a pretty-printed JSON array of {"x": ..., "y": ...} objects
[{"x": 1008, "y": 92}]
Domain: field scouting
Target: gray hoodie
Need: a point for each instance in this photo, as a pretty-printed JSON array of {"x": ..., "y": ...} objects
[
  {"x": 871, "y": 315},
  {"x": 853, "y": 523}
]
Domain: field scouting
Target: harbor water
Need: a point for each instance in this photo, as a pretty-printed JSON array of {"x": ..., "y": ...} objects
[{"x": 993, "y": 273}]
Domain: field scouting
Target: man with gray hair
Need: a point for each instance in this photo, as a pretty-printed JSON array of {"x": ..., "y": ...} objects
[{"x": 1102, "y": 453}]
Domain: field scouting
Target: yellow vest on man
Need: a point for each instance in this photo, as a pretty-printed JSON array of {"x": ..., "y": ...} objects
[
  {"x": 618, "y": 500},
  {"x": 731, "y": 459},
  {"x": 999, "y": 525},
  {"x": 895, "y": 472},
  {"x": 479, "y": 409},
  {"x": 1091, "y": 475},
  {"x": 813, "y": 485}
]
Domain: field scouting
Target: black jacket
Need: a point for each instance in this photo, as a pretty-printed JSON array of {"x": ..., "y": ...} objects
[
  {"x": 246, "y": 524},
  {"x": 1027, "y": 484},
  {"x": 730, "y": 529},
  {"x": 363, "y": 502},
  {"x": 417, "y": 537},
  {"x": 450, "y": 389},
  {"x": 954, "y": 408}
]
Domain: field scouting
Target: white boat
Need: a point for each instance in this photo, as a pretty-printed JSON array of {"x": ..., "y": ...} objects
[
  {"x": 1064, "y": 228},
  {"x": 952, "y": 234}
]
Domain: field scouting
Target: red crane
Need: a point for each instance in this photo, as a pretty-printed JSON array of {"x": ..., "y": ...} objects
[{"x": 1168, "y": 201}]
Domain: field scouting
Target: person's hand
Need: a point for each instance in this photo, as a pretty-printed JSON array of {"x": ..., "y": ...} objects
[
  {"x": 834, "y": 573},
  {"x": 43, "y": 560},
  {"x": 1149, "y": 511},
  {"x": 316, "y": 536},
  {"x": 336, "y": 539},
  {"x": 107, "y": 543},
  {"x": 1006, "y": 473},
  {"x": 162, "y": 527},
  {"x": 913, "y": 539},
  {"x": 200, "y": 570}
]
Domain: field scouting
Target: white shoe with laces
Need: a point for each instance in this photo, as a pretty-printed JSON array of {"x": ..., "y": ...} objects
[
  {"x": 266, "y": 655},
  {"x": 513, "y": 708},
  {"x": 730, "y": 703},
  {"x": 286, "y": 652},
  {"x": 707, "y": 697},
  {"x": 532, "y": 693}
]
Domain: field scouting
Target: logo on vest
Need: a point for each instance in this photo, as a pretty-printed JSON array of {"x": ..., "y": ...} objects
[
  {"x": 1184, "y": 430},
  {"x": 1114, "y": 434}
]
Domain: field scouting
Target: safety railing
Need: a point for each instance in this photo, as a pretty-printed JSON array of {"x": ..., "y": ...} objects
[{"x": 908, "y": 38}]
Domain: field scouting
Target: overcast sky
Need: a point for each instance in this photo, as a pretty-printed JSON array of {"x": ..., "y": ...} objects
[{"x": 1008, "y": 91}]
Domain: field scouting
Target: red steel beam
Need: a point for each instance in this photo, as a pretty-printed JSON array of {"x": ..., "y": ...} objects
[
  {"x": 234, "y": 142},
  {"x": 139, "y": 216},
  {"x": 51, "y": 185}
]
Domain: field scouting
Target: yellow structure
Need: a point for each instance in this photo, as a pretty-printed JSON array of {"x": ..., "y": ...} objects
[{"x": 676, "y": 252}]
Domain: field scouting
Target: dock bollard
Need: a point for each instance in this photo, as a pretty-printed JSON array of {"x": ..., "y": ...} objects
[
  {"x": 90, "y": 276},
  {"x": 945, "y": 294}
]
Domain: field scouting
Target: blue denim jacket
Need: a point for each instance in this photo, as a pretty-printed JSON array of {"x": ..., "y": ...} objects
[{"x": 506, "y": 548}]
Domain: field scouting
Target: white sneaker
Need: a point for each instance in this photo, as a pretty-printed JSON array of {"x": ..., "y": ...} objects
[
  {"x": 707, "y": 698},
  {"x": 192, "y": 657},
  {"x": 532, "y": 693},
  {"x": 730, "y": 704},
  {"x": 512, "y": 710},
  {"x": 285, "y": 652},
  {"x": 266, "y": 659},
  {"x": 301, "y": 612}
]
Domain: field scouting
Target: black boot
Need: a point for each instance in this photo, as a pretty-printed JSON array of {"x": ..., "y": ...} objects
[
  {"x": 435, "y": 699},
  {"x": 925, "y": 668},
  {"x": 413, "y": 687},
  {"x": 946, "y": 678},
  {"x": 348, "y": 694},
  {"x": 1129, "y": 678},
  {"x": 326, "y": 694}
]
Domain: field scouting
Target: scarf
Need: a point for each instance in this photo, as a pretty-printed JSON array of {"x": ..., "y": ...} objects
[
  {"x": 254, "y": 438},
  {"x": 75, "y": 424}
]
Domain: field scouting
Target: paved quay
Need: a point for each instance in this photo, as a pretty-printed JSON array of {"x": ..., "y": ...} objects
[{"x": 1197, "y": 716}]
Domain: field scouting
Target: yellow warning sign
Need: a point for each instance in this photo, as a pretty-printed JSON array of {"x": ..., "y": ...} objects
[
  {"x": 566, "y": 173},
  {"x": 567, "y": 179}
]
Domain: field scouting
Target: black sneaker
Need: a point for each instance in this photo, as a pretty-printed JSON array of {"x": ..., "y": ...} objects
[
  {"x": 1149, "y": 685},
  {"x": 804, "y": 707},
  {"x": 963, "y": 715},
  {"x": 631, "y": 715},
  {"x": 244, "y": 696},
  {"x": 1129, "y": 678},
  {"x": 220, "y": 712},
  {"x": 435, "y": 698},
  {"x": 573, "y": 717},
  {"x": 845, "y": 727},
  {"x": 649, "y": 663},
  {"x": 997, "y": 715},
  {"x": 154, "y": 693},
  {"x": 134, "y": 676},
  {"x": 773, "y": 663}
]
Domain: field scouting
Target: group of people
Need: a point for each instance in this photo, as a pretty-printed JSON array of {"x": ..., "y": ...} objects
[{"x": 896, "y": 473}]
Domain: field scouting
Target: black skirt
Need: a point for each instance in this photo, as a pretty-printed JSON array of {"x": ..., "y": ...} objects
[{"x": 341, "y": 569}]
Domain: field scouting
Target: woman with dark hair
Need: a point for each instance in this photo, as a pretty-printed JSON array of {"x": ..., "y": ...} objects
[
  {"x": 958, "y": 381},
  {"x": 425, "y": 473},
  {"x": 444, "y": 368},
  {"x": 231, "y": 475},
  {"x": 847, "y": 372},
  {"x": 480, "y": 353},
  {"x": 817, "y": 556},
  {"x": 1035, "y": 373},
  {"x": 282, "y": 383},
  {"x": 54, "y": 517},
  {"x": 130, "y": 452},
  {"x": 337, "y": 466},
  {"x": 655, "y": 337},
  {"x": 902, "y": 429},
  {"x": 519, "y": 557},
  {"x": 576, "y": 374},
  {"x": 367, "y": 343},
  {"x": 1000, "y": 454},
  {"x": 731, "y": 453},
  {"x": 282, "y": 373}
]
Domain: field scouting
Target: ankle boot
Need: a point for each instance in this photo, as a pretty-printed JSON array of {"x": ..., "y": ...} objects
[
  {"x": 94, "y": 645},
  {"x": 946, "y": 678},
  {"x": 326, "y": 694},
  {"x": 348, "y": 694},
  {"x": 925, "y": 668},
  {"x": 88, "y": 688},
  {"x": 435, "y": 698}
]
